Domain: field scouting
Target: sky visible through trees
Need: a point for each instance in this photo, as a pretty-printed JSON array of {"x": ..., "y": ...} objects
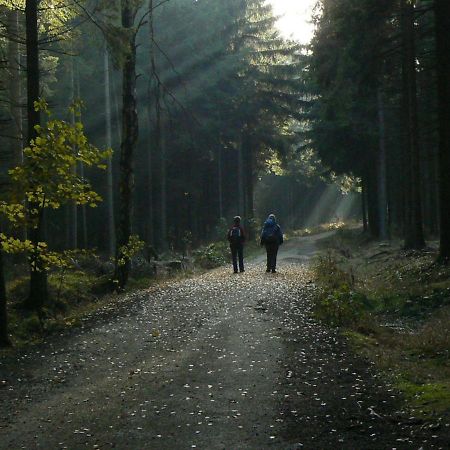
[{"x": 295, "y": 18}]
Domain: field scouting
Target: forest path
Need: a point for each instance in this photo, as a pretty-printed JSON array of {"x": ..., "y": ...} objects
[{"x": 219, "y": 361}]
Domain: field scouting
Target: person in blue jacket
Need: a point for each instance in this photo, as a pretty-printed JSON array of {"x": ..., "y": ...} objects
[{"x": 271, "y": 238}]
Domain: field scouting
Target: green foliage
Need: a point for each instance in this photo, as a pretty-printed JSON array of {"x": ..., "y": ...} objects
[
  {"x": 338, "y": 304},
  {"x": 411, "y": 305},
  {"x": 341, "y": 307},
  {"x": 426, "y": 398},
  {"x": 48, "y": 179},
  {"x": 329, "y": 275},
  {"x": 213, "y": 255},
  {"x": 126, "y": 252}
]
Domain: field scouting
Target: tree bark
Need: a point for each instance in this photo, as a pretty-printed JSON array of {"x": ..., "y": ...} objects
[
  {"x": 130, "y": 133},
  {"x": 72, "y": 207},
  {"x": 4, "y": 338},
  {"x": 38, "y": 276},
  {"x": 248, "y": 170},
  {"x": 372, "y": 201},
  {"x": 152, "y": 96},
  {"x": 381, "y": 172},
  {"x": 364, "y": 205},
  {"x": 414, "y": 238},
  {"x": 219, "y": 181},
  {"x": 84, "y": 225},
  {"x": 240, "y": 167},
  {"x": 442, "y": 13},
  {"x": 14, "y": 87},
  {"x": 163, "y": 180},
  {"x": 109, "y": 169}
]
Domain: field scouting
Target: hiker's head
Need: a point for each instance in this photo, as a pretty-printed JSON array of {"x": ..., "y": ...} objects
[
  {"x": 272, "y": 217},
  {"x": 237, "y": 220}
]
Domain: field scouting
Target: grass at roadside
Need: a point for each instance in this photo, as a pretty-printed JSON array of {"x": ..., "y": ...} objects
[
  {"x": 73, "y": 296},
  {"x": 79, "y": 293},
  {"x": 394, "y": 307}
]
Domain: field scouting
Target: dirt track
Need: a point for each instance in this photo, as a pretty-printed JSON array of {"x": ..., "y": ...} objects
[{"x": 220, "y": 361}]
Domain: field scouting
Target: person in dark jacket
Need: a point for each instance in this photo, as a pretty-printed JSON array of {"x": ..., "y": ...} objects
[
  {"x": 236, "y": 238},
  {"x": 272, "y": 238}
]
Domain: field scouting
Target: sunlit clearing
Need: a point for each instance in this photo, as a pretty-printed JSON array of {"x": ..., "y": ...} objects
[
  {"x": 332, "y": 206},
  {"x": 323, "y": 205},
  {"x": 347, "y": 205},
  {"x": 295, "y": 21}
]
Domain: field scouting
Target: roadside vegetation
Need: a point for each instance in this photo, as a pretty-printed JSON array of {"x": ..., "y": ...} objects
[
  {"x": 82, "y": 289},
  {"x": 394, "y": 307}
]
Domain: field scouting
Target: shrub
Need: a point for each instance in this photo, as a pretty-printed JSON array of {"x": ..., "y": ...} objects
[
  {"x": 329, "y": 275},
  {"x": 341, "y": 307},
  {"x": 211, "y": 256},
  {"x": 338, "y": 304}
]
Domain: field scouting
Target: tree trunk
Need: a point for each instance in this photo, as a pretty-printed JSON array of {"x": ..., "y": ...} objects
[
  {"x": 152, "y": 96},
  {"x": 364, "y": 205},
  {"x": 248, "y": 169},
  {"x": 240, "y": 166},
  {"x": 381, "y": 172},
  {"x": 130, "y": 133},
  {"x": 14, "y": 87},
  {"x": 442, "y": 12},
  {"x": 4, "y": 338},
  {"x": 84, "y": 227},
  {"x": 219, "y": 181},
  {"x": 109, "y": 169},
  {"x": 72, "y": 207},
  {"x": 372, "y": 201},
  {"x": 149, "y": 216},
  {"x": 413, "y": 227},
  {"x": 38, "y": 276},
  {"x": 163, "y": 180}
]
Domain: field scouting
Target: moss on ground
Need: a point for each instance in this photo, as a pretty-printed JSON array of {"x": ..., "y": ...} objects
[
  {"x": 426, "y": 399},
  {"x": 404, "y": 313}
]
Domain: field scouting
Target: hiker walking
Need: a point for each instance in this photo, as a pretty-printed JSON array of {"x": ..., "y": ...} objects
[
  {"x": 272, "y": 238},
  {"x": 236, "y": 238}
]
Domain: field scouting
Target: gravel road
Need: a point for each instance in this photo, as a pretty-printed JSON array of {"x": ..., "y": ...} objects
[{"x": 219, "y": 361}]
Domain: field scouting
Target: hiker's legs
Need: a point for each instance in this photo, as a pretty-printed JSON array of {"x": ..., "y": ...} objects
[
  {"x": 240, "y": 251},
  {"x": 274, "y": 257},
  {"x": 234, "y": 254},
  {"x": 272, "y": 250}
]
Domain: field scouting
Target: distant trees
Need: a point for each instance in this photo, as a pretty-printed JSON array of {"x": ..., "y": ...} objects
[
  {"x": 373, "y": 69},
  {"x": 442, "y": 15},
  {"x": 226, "y": 96}
]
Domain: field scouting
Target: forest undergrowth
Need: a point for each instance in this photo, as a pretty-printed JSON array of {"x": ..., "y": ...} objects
[
  {"x": 79, "y": 292},
  {"x": 394, "y": 307}
]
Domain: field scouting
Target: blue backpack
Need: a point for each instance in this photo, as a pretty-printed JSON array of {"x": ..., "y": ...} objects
[{"x": 270, "y": 235}]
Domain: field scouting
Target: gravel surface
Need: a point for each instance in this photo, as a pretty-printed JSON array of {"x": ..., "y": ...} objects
[{"x": 219, "y": 361}]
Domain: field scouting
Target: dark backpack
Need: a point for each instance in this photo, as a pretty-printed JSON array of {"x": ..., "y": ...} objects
[
  {"x": 270, "y": 235},
  {"x": 235, "y": 235}
]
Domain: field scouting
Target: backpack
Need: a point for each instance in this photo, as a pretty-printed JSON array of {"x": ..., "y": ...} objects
[
  {"x": 235, "y": 235},
  {"x": 270, "y": 235}
]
